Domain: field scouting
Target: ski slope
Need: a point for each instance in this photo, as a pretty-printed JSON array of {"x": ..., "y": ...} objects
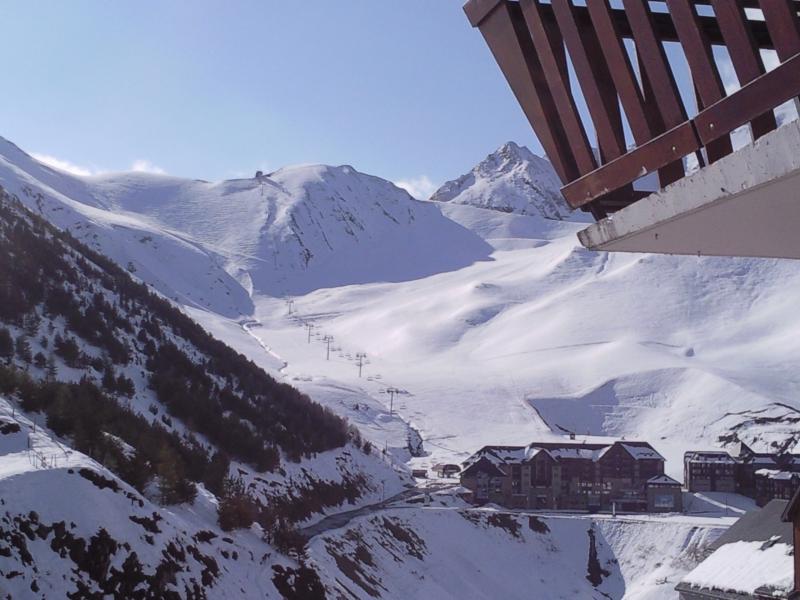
[
  {"x": 498, "y": 326},
  {"x": 480, "y": 326}
]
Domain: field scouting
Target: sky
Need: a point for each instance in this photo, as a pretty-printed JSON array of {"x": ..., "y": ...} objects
[{"x": 405, "y": 90}]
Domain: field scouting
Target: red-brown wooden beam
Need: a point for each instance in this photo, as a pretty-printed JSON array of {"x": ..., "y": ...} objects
[
  {"x": 550, "y": 48},
  {"x": 616, "y": 56},
  {"x": 594, "y": 78},
  {"x": 663, "y": 150},
  {"x": 643, "y": 117},
  {"x": 783, "y": 26},
  {"x": 760, "y": 95},
  {"x": 744, "y": 55},
  {"x": 664, "y": 27},
  {"x": 502, "y": 25},
  {"x": 697, "y": 49}
]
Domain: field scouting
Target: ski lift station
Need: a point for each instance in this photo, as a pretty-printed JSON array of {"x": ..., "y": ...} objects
[{"x": 673, "y": 123}]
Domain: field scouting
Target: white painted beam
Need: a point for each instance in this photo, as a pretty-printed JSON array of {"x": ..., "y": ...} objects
[{"x": 746, "y": 204}]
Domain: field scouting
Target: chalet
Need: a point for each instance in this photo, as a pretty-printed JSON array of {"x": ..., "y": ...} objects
[
  {"x": 775, "y": 484},
  {"x": 753, "y": 560},
  {"x": 446, "y": 470},
  {"x": 759, "y": 475},
  {"x": 571, "y": 475},
  {"x": 713, "y": 471}
]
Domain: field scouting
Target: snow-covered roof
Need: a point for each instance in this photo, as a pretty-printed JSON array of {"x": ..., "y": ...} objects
[
  {"x": 717, "y": 456},
  {"x": 642, "y": 451},
  {"x": 776, "y": 474},
  {"x": 744, "y": 567},
  {"x": 762, "y": 460},
  {"x": 584, "y": 453},
  {"x": 502, "y": 455},
  {"x": 662, "y": 480}
]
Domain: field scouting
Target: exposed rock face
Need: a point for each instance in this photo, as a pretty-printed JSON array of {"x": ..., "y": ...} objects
[{"x": 511, "y": 179}]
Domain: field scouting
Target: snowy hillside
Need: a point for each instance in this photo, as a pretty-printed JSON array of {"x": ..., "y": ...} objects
[
  {"x": 52, "y": 546},
  {"x": 175, "y": 265},
  {"x": 511, "y": 179},
  {"x": 480, "y": 326},
  {"x": 210, "y": 245},
  {"x": 96, "y": 370},
  {"x": 683, "y": 352},
  {"x": 450, "y": 553},
  {"x": 466, "y": 307}
]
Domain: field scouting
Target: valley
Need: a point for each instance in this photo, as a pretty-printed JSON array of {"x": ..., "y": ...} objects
[{"x": 480, "y": 324}]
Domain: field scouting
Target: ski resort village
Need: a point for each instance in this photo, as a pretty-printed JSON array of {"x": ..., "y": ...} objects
[{"x": 284, "y": 313}]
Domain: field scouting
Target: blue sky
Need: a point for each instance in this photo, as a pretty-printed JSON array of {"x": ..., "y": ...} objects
[{"x": 401, "y": 89}]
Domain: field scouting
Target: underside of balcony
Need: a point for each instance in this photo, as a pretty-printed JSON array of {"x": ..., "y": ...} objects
[{"x": 745, "y": 204}]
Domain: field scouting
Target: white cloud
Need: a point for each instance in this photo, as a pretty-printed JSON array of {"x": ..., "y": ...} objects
[
  {"x": 139, "y": 166},
  {"x": 145, "y": 166},
  {"x": 420, "y": 187},
  {"x": 63, "y": 165}
]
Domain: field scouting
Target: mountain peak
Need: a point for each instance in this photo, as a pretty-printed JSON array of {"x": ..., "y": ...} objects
[
  {"x": 510, "y": 179},
  {"x": 514, "y": 150}
]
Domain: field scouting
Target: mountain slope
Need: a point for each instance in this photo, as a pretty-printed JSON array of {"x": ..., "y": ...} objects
[
  {"x": 97, "y": 370},
  {"x": 447, "y": 553},
  {"x": 510, "y": 179},
  {"x": 211, "y": 245},
  {"x": 684, "y": 352},
  {"x": 172, "y": 263},
  {"x": 303, "y": 228}
]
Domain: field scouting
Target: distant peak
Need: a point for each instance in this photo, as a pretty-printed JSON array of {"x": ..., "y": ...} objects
[
  {"x": 513, "y": 152},
  {"x": 510, "y": 179}
]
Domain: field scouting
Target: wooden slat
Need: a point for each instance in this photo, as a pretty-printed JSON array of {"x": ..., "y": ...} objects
[
  {"x": 654, "y": 61},
  {"x": 744, "y": 55},
  {"x": 507, "y": 36},
  {"x": 478, "y": 10},
  {"x": 769, "y": 90},
  {"x": 644, "y": 118},
  {"x": 664, "y": 149},
  {"x": 665, "y": 28},
  {"x": 705, "y": 75},
  {"x": 642, "y": 128},
  {"x": 594, "y": 79},
  {"x": 550, "y": 48},
  {"x": 783, "y": 26},
  {"x": 672, "y": 171}
]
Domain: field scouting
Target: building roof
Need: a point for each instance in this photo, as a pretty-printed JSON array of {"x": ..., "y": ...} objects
[
  {"x": 756, "y": 553},
  {"x": 663, "y": 480},
  {"x": 744, "y": 568},
  {"x": 718, "y": 456},
  {"x": 776, "y": 474},
  {"x": 641, "y": 450},
  {"x": 758, "y": 525},
  {"x": 438, "y": 466},
  {"x": 761, "y": 459},
  {"x": 502, "y": 455},
  {"x": 484, "y": 462}
]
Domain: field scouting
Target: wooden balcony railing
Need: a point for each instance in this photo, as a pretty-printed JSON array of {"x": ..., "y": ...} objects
[{"x": 532, "y": 41}]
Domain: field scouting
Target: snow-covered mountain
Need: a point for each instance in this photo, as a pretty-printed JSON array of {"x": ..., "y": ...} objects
[
  {"x": 510, "y": 179},
  {"x": 112, "y": 398},
  {"x": 170, "y": 261},
  {"x": 211, "y": 245},
  {"x": 492, "y": 326},
  {"x": 303, "y": 228}
]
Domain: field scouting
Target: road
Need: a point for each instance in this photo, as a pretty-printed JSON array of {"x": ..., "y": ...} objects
[{"x": 343, "y": 518}]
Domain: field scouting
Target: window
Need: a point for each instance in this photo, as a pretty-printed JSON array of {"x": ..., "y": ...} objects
[
  {"x": 664, "y": 501},
  {"x": 516, "y": 478}
]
